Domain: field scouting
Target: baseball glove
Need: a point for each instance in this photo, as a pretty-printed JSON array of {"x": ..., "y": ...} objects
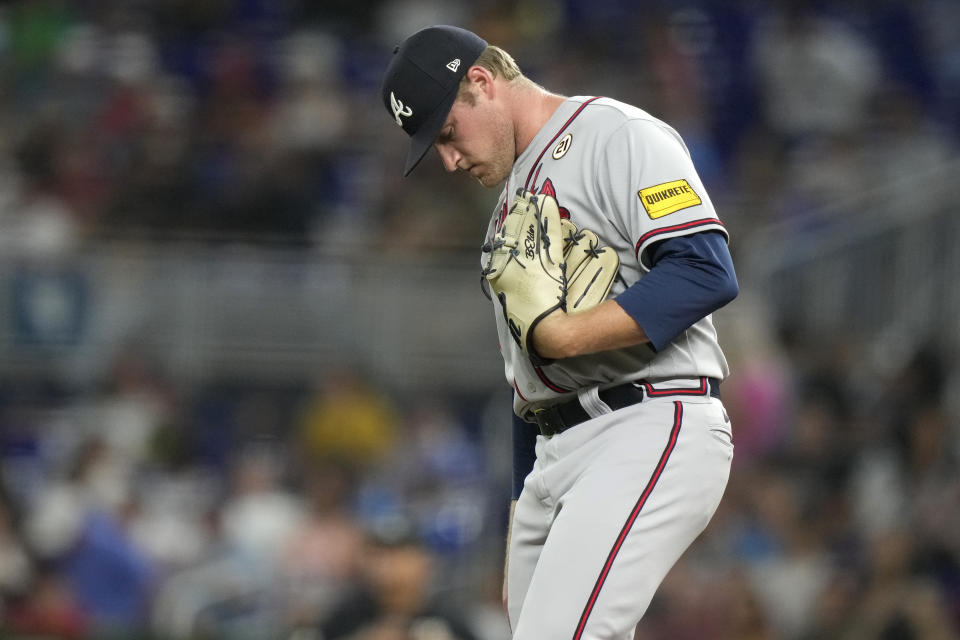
[
  {"x": 540, "y": 262},
  {"x": 525, "y": 270},
  {"x": 590, "y": 268}
]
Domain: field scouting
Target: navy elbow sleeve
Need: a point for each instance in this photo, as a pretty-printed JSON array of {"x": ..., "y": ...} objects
[{"x": 692, "y": 276}]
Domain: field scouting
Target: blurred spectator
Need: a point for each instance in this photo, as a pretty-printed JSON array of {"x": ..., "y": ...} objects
[
  {"x": 438, "y": 471},
  {"x": 896, "y": 603},
  {"x": 759, "y": 395},
  {"x": 904, "y": 145},
  {"x": 694, "y": 604},
  {"x": 94, "y": 484},
  {"x": 48, "y": 610},
  {"x": 311, "y": 107},
  {"x": 816, "y": 74},
  {"x": 171, "y": 519},
  {"x": 37, "y": 224},
  {"x": 347, "y": 418},
  {"x": 235, "y": 588},
  {"x": 112, "y": 579},
  {"x": 396, "y": 599},
  {"x": 822, "y": 174},
  {"x": 260, "y": 515},
  {"x": 132, "y": 404},
  {"x": 831, "y": 616},
  {"x": 322, "y": 558},
  {"x": 935, "y": 23},
  {"x": 15, "y": 567},
  {"x": 675, "y": 47},
  {"x": 484, "y": 611},
  {"x": 79, "y": 525},
  {"x": 753, "y": 196},
  {"x": 790, "y": 574}
]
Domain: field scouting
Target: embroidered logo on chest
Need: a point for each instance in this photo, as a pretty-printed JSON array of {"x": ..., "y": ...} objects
[{"x": 548, "y": 189}]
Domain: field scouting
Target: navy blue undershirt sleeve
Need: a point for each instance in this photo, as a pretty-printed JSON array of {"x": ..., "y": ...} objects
[
  {"x": 691, "y": 277},
  {"x": 524, "y": 452}
]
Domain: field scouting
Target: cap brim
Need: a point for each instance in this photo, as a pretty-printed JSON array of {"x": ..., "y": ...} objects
[{"x": 426, "y": 135}]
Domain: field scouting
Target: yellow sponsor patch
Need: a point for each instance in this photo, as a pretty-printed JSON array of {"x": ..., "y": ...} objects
[{"x": 664, "y": 199}]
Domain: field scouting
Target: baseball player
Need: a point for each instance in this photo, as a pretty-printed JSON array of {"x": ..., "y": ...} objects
[{"x": 604, "y": 260}]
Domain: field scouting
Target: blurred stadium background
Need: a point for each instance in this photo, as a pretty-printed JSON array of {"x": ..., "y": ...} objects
[{"x": 241, "y": 360}]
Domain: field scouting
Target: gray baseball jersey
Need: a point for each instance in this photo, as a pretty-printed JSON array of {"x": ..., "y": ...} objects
[{"x": 628, "y": 177}]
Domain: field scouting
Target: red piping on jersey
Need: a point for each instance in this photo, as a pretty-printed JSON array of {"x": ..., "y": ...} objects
[
  {"x": 517, "y": 389},
  {"x": 657, "y": 472},
  {"x": 566, "y": 124},
  {"x": 537, "y": 174},
  {"x": 553, "y": 386},
  {"x": 684, "y": 226},
  {"x": 688, "y": 391}
]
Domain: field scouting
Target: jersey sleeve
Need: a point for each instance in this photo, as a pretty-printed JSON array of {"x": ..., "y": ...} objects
[{"x": 649, "y": 187}]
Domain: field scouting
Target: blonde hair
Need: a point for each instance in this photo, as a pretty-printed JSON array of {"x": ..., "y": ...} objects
[{"x": 499, "y": 63}]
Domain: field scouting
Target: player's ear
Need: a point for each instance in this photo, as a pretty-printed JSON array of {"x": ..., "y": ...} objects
[{"x": 481, "y": 79}]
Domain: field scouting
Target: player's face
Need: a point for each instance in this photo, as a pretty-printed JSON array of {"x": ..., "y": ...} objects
[{"x": 477, "y": 138}]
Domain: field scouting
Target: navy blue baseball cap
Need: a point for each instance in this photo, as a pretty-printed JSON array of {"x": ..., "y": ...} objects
[{"x": 421, "y": 83}]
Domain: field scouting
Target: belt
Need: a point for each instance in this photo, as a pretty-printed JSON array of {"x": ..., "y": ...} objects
[{"x": 560, "y": 417}]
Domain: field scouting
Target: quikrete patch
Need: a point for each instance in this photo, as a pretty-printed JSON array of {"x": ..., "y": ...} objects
[{"x": 664, "y": 199}]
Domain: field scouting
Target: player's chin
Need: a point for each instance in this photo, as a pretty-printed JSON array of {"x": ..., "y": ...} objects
[{"x": 488, "y": 179}]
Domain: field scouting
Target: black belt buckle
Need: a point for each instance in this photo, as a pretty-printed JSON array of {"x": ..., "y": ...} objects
[
  {"x": 549, "y": 421},
  {"x": 560, "y": 417}
]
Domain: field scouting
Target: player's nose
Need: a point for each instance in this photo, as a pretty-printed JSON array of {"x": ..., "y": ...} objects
[{"x": 449, "y": 157}]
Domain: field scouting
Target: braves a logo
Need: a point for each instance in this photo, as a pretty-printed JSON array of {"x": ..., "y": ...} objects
[
  {"x": 548, "y": 189},
  {"x": 399, "y": 109},
  {"x": 545, "y": 188}
]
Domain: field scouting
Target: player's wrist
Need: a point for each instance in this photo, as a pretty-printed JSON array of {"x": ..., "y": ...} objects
[{"x": 549, "y": 337}]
